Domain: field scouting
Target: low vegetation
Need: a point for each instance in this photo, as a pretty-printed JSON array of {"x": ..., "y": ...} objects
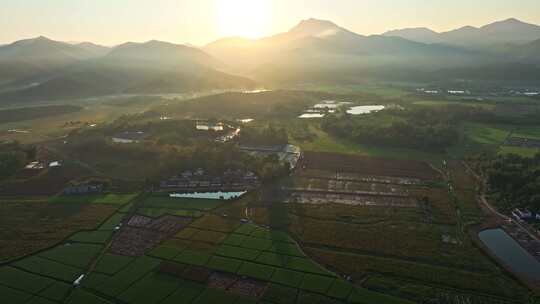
[
  {"x": 513, "y": 180},
  {"x": 31, "y": 113}
]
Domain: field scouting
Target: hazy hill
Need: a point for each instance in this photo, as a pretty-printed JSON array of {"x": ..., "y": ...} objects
[
  {"x": 45, "y": 50},
  {"x": 95, "y": 49},
  {"x": 523, "y": 53},
  {"x": 161, "y": 53},
  {"x": 152, "y": 67},
  {"x": 500, "y": 32},
  {"x": 30, "y": 57},
  {"x": 418, "y": 34}
]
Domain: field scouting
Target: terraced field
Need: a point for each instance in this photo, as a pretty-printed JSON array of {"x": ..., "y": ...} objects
[
  {"x": 345, "y": 215},
  {"x": 267, "y": 248},
  {"x": 227, "y": 262}
]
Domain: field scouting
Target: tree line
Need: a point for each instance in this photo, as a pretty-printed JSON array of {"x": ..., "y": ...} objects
[
  {"x": 515, "y": 181},
  {"x": 13, "y": 157}
]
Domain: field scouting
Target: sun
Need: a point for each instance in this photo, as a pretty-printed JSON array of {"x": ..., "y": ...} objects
[{"x": 246, "y": 18}]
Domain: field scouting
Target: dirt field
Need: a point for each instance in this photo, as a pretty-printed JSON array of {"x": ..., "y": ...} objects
[
  {"x": 334, "y": 162},
  {"x": 140, "y": 234}
]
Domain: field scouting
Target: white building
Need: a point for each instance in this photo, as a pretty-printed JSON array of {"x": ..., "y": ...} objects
[
  {"x": 128, "y": 137},
  {"x": 55, "y": 164},
  {"x": 206, "y": 126}
]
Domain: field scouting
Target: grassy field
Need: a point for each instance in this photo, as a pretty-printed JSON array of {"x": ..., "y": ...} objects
[
  {"x": 525, "y": 152},
  {"x": 31, "y": 113},
  {"x": 94, "y": 111},
  {"x": 324, "y": 142},
  {"x": 29, "y": 226},
  {"x": 243, "y": 251},
  {"x": 443, "y": 103},
  {"x": 488, "y": 134},
  {"x": 106, "y": 199},
  {"x": 378, "y": 91},
  {"x": 527, "y": 132}
]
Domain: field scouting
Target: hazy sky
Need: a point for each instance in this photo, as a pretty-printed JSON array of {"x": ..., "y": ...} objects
[{"x": 200, "y": 21}]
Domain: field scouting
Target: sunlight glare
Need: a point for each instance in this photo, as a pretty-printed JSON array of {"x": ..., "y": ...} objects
[{"x": 246, "y": 18}]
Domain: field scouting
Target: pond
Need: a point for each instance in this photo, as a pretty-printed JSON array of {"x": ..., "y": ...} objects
[
  {"x": 360, "y": 110},
  {"x": 210, "y": 195},
  {"x": 311, "y": 115},
  {"x": 511, "y": 253}
]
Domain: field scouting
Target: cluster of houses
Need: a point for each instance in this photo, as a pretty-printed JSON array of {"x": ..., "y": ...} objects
[
  {"x": 431, "y": 91},
  {"x": 84, "y": 189},
  {"x": 285, "y": 153},
  {"x": 39, "y": 165},
  {"x": 201, "y": 180},
  {"x": 525, "y": 215},
  {"x": 129, "y": 137},
  {"x": 523, "y": 142},
  {"x": 209, "y": 126},
  {"x": 229, "y": 136}
]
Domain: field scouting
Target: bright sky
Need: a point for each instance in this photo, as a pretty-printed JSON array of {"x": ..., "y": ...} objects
[{"x": 111, "y": 22}]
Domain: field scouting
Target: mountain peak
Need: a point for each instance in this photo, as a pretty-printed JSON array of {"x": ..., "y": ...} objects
[
  {"x": 42, "y": 38},
  {"x": 315, "y": 27},
  {"x": 465, "y": 28},
  {"x": 510, "y": 24},
  {"x": 317, "y": 22},
  {"x": 423, "y": 30},
  {"x": 513, "y": 20},
  {"x": 417, "y": 34}
]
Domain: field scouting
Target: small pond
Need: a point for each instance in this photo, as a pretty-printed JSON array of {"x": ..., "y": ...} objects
[
  {"x": 210, "y": 195},
  {"x": 511, "y": 253},
  {"x": 311, "y": 115}
]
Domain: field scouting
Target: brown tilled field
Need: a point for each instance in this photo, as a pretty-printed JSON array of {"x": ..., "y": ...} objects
[
  {"x": 140, "y": 234},
  {"x": 334, "y": 162}
]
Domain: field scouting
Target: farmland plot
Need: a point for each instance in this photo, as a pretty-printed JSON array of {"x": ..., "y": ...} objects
[
  {"x": 29, "y": 226},
  {"x": 140, "y": 234},
  {"x": 334, "y": 162},
  {"x": 367, "y": 217}
]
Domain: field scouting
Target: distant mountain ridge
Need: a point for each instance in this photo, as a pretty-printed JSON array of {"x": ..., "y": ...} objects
[
  {"x": 501, "y": 32},
  {"x": 85, "y": 69},
  {"x": 47, "y": 50},
  {"x": 39, "y": 55},
  {"x": 313, "y": 51}
]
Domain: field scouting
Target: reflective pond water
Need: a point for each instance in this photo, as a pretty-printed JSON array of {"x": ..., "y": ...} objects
[
  {"x": 210, "y": 195},
  {"x": 312, "y": 115},
  {"x": 359, "y": 110},
  {"x": 511, "y": 253}
]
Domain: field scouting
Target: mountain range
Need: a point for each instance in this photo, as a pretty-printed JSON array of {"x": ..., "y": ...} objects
[
  {"x": 312, "y": 51},
  {"x": 41, "y": 68},
  {"x": 510, "y": 31},
  {"x": 318, "y": 50}
]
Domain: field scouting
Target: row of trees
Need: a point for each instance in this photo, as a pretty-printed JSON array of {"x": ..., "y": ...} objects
[
  {"x": 13, "y": 157},
  {"x": 431, "y": 130},
  {"x": 266, "y": 136},
  {"x": 515, "y": 180},
  {"x": 154, "y": 161}
]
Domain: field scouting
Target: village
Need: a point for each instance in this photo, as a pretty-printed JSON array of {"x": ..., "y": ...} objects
[{"x": 200, "y": 180}]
